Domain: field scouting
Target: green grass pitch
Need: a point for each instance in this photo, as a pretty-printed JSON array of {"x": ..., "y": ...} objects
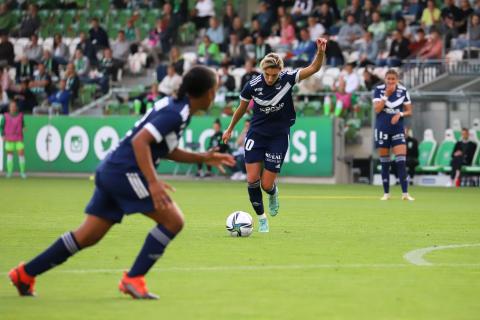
[{"x": 333, "y": 252}]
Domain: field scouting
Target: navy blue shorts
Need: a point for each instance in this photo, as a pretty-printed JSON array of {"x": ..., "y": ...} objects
[
  {"x": 269, "y": 150},
  {"x": 117, "y": 194},
  {"x": 390, "y": 138}
]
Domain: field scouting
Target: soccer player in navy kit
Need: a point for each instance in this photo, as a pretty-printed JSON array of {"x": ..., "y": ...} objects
[
  {"x": 267, "y": 140},
  {"x": 126, "y": 182},
  {"x": 392, "y": 103}
]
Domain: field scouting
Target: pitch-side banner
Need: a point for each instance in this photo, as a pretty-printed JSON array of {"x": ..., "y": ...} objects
[{"x": 77, "y": 144}]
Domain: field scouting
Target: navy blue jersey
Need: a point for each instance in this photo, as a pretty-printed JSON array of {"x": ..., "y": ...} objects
[
  {"x": 165, "y": 121},
  {"x": 393, "y": 105},
  {"x": 273, "y": 110}
]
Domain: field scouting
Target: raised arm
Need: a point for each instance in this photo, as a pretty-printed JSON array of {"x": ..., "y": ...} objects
[{"x": 317, "y": 61}]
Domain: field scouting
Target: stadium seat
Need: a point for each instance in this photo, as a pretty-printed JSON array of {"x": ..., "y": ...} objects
[
  {"x": 457, "y": 128},
  {"x": 426, "y": 149},
  {"x": 443, "y": 156},
  {"x": 476, "y": 127}
]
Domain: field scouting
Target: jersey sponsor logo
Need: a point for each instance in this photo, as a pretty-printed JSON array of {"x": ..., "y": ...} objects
[
  {"x": 398, "y": 136},
  {"x": 273, "y": 157},
  {"x": 258, "y": 89},
  {"x": 268, "y": 110}
]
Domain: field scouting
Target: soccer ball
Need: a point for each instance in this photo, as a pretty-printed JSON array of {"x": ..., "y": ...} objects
[{"x": 239, "y": 224}]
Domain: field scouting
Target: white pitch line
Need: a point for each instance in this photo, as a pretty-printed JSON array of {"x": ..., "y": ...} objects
[
  {"x": 416, "y": 256},
  {"x": 270, "y": 267}
]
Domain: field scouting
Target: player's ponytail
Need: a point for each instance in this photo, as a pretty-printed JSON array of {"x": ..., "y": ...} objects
[
  {"x": 271, "y": 60},
  {"x": 196, "y": 82}
]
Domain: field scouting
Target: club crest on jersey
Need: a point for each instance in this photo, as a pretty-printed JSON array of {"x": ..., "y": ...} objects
[
  {"x": 278, "y": 87},
  {"x": 258, "y": 89}
]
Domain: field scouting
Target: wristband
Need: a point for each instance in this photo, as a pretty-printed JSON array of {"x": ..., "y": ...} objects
[
  {"x": 401, "y": 114},
  {"x": 384, "y": 98}
]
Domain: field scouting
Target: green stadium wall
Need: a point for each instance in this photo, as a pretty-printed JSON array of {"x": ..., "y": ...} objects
[{"x": 77, "y": 144}]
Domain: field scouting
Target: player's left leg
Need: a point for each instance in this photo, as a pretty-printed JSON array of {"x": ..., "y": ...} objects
[
  {"x": 21, "y": 158},
  {"x": 400, "y": 152},
  {"x": 255, "y": 194},
  {"x": 169, "y": 223},
  {"x": 271, "y": 188},
  {"x": 90, "y": 232}
]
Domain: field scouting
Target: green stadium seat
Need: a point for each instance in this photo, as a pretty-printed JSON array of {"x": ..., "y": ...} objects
[
  {"x": 443, "y": 155},
  {"x": 457, "y": 129},
  {"x": 426, "y": 149},
  {"x": 87, "y": 93}
]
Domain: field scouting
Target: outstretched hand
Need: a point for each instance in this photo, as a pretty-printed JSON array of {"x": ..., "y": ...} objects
[
  {"x": 322, "y": 44},
  {"x": 226, "y": 136},
  {"x": 218, "y": 160}
]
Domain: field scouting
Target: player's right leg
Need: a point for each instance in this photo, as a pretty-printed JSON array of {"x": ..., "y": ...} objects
[
  {"x": 9, "y": 147},
  {"x": 255, "y": 194},
  {"x": 21, "y": 158},
  {"x": 384, "y": 155},
  {"x": 90, "y": 232},
  {"x": 169, "y": 223}
]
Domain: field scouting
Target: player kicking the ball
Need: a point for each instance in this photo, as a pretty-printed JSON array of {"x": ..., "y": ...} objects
[
  {"x": 126, "y": 182},
  {"x": 266, "y": 142}
]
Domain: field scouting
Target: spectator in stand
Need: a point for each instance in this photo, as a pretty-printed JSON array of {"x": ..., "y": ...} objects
[
  {"x": 403, "y": 28},
  {"x": 462, "y": 155},
  {"x": 177, "y": 60},
  {"x": 171, "y": 83},
  {"x": 448, "y": 30},
  {"x": 255, "y": 30},
  {"x": 303, "y": 52},
  {"x": 473, "y": 37},
  {"x": 209, "y": 52},
  {"x": 60, "y": 100},
  {"x": 82, "y": 65},
  {"x": 169, "y": 27},
  {"x": 378, "y": 28},
  {"x": 354, "y": 9},
  {"x": 30, "y": 23},
  {"x": 302, "y": 9},
  {"x": 51, "y": 65},
  {"x": 315, "y": 28},
  {"x": 34, "y": 51},
  {"x": 24, "y": 69},
  {"x": 398, "y": 51},
  {"x": 434, "y": 47},
  {"x": 215, "y": 32},
  {"x": 370, "y": 80},
  {"x": 412, "y": 154},
  {"x": 25, "y": 98},
  {"x": 431, "y": 15},
  {"x": 249, "y": 46},
  {"x": 250, "y": 73},
  {"x": 467, "y": 11},
  {"x": 121, "y": 48},
  {"x": 325, "y": 16},
  {"x": 419, "y": 42},
  {"x": 7, "y": 52},
  {"x": 227, "y": 81},
  {"x": 476, "y": 8},
  {"x": 72, "y": 81},
  {"x": 349, "y": 33},
  {"x": 204, "y": 10},
  {"x": 215, "y": 143},
  {"x": 261, "y": 48},
  {"x": 236, "y": 53},
  {"x": 352, "y": 81},
  {"x": 452, "y": 11},
  {"x": 265, "y": 17},
  {"x": 228, "y": 17},
  {"x": 61, "y": 52},
  {"x": 86, "y": 46},
  {"x": 41, "y": 83},
  {"x": 154, "y": 41},
  {"x": 333, "y": 53},
  {"x": 132, "y": 33},
  {"x": 4, "y": 100},
  {"x": 98, "y": 36},
  {"x": 287, "y": 32},
  {"x": 108, "y": 68},
  {"x": 7, "y": 20},
  {"x": 239, "y": 29},
  {"x": 368, "y": 50},
  {"x": 367, "y": 12}
]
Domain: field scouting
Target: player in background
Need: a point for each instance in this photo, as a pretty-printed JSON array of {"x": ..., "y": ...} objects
[
  {"x": 12, "y": 126},
  {"x": 126, "y": 182},
  {"x": 392, "y": 104},
  {"x": 268, "y": 137}
]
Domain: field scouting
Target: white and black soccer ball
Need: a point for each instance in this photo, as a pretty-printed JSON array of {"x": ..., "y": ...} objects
[{"x": 239, "y": 224}]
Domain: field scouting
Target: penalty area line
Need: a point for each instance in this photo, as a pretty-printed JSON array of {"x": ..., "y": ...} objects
[
  {"x": 329, "y": 197},
  {"x": 415, "y": 257}
]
